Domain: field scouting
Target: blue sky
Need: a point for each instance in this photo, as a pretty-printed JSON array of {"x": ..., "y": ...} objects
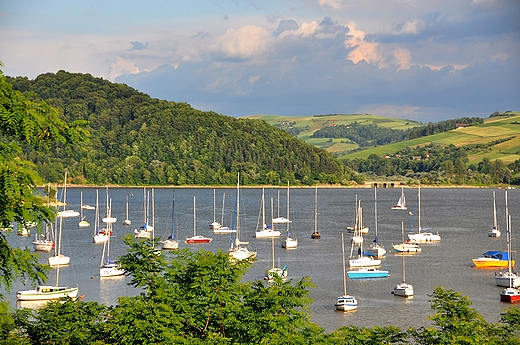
[{"x": 426, "y": 60}]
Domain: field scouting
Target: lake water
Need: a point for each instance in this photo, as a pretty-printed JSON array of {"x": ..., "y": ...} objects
[{"x": 461, "y": 216}]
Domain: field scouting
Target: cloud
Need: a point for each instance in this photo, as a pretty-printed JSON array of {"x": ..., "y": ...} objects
[
  {"x": 403, "y": 58},
  {"x": 242, "y": 43},
  {"x": 286, "y": 25},
  {"x": 122, "y": 67},
  {"x": 363, "y": 50},
  {"x": 138, "y": 45},
  {"x": 333, "y": 4}
]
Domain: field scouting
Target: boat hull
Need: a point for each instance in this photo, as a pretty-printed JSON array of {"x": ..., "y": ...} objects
[
  {"x": 346, "y": 303},
  {"x": 289, "y": 243},
  {"x": 424, "y": 237},
  {"x": 110, "y": 270},
  {"x": 267, "y": 234},
  {"x": 59, "y": 260},
  {"x": 367, "y": 273},
  {"x": 403, "y": 290},
  {"x": 506, "y": 279},
  {"x": 407, "y": 248},
  {"x": 42, "y": 293},
  {"x": 364, "y": 262},
  {"x": 43, "y": 245},
  {"x": 510, "y": 295},
  {"x": 198, "y": 239},
  {"x": 170, "y": 245},
  {"x": 488, "y": 262},
  {"x": 241, "y": 253},
  {"x": 224, "y": 230}
]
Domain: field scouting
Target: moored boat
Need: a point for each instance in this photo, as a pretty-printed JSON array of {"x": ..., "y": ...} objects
[{"x": 493, "y": 258}]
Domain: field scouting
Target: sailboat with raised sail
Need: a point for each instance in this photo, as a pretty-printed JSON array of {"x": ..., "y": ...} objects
[
  {"x": 58, "y": 259},
  {"x": 171, "y": 242},
  {"x": 422, "y": 235},
  {"x": 375, "y": 248},
  {"x": 315, "y": 234},
  {"x": 238, "y": 250},
  {"x": 145, "y": 230},
  {"x": 494, "y": 232},
  {"x": 403, "y": 289},
  {"x": 109, "y": 268},
  {"x": 345, "y": 302},
  {"x": 82, "y": 223},
  {"x": 289, "y": 242},
  {"x": 196, "y": 238},
  {"x": 401, "y": 203}
]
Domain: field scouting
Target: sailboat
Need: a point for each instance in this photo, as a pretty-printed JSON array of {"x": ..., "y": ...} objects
[
  {"x": 401, "y": 203},
  {"x": 289, "y": 242},
  {"x": 421, "y": 235},
  {"x": 510, "y": 294},
  {"x": 109, "y": 268},
  {"x": 215, "y": 225},
  {"x": 508, "y": 278},
  {"x": 224, "y": 229},
  {"x": 494, "y": 232},
  {"x": 275, "y": 272},
  {"x": 43, "y": 242},
  {"x": 361, "y": 260},
  {"x": 268, "y": 231},
  {"x": 315, "y": 234},
  {"x": 127, "y": 221},
  {"x": 196, "y": 238},
  {"x": 345, "y": 302},
  {"x": 403, "y": 289},
  {"x": 238, "y": 250},
  {"x": 359, "y": 225},
  {"x": 375, "y": 248},
  {"x": 48, "y": 292},
  {"x": 101, "y": 235},
  {"x": 82, "y": 223},
  {"x": 58, "y": 259},
  {"x": 145, "y": 230},
  {"x": 171, "y": 243}
]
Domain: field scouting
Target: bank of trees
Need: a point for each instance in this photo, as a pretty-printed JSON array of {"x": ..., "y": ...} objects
[{"x": 138, "y": 140}]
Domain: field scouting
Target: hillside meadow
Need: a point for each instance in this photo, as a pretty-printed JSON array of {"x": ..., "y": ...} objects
[{"x": 502, "y": 129}]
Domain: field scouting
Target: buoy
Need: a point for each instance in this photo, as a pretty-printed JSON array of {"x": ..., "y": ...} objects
[
  {"x": 91, "y": 277},
  {"x": 82, "y": 297}
]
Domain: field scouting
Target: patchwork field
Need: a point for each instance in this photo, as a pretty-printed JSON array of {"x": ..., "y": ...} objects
[{"x": 495, "y": 128}]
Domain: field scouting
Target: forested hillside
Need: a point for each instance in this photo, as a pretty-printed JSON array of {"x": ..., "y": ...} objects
[{"x": 135, "y": 140}]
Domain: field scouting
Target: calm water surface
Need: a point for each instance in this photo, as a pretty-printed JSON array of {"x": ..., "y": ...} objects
[{"x": 461, "y": 216}]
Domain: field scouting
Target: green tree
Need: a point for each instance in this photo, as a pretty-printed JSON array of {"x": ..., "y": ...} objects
[{"x": 24, "y": 122}]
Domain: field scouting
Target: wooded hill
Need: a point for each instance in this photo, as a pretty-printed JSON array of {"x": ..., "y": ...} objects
[{"x": 139, "y": 140}]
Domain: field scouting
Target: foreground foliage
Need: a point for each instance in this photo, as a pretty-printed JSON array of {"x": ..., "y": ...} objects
[{"x": 200, "y": 298}]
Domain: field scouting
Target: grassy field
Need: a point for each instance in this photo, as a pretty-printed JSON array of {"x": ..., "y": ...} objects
[{"x": 495, "y": 128}]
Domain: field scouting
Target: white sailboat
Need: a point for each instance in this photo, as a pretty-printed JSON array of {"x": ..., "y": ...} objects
[
  {"x": 375, "y": 248},
  {"x": 359, "y": 225},
  {"x": 422, "y": 235},
  {"x": 145, "y": 230},
  {"x": 510, "y": 294},
  {"x": 58, "y": 259},
  {"x": 275, "y": 272},
  {"x": 403, "y": 289},
  {"x": 361, "y": 260},
  {"x": 345, "y": 302},
  {"x": 238, "y": 250},
  {"x": 224, "y": 229},
  {"x": 508, "y": 278},
  {"x": 82, "y": 223},
  {"x": 171, "y": 242},
  {"x": 494, "y": 232},
  {"x": 215, "y": 225},
  {"x": 315, "y": 234},
  {"x": 109, "y": 268},
  {"x": 45, "y": 242},
  {"x": 48, "y": 292},
  {"x": 195, "y": 239},
  {"x": 127, "y": 221},
  {"x": 101, "y": 235},
  {"x": 289, "y": 242},
  {"x": 268, "y": 231},
  {"x": 401, "y": 203}
]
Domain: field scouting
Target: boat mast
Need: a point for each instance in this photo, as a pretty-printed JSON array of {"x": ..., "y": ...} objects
[
  {"x": 375, "y": 213},
  {"x": 402, "y": 254},
  {"x": 344, "y": 266},
  {"x": 194, "y": 217},
  {"x": 316, "y": 210},
  {"x": 494, "y": 212},
  {"x": 508, "y": 238},
  {"x": 287, "y": 228},
  {"x": 419, "y": 203}
]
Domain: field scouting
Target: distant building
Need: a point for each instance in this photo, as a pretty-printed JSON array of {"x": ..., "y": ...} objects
[{"x": 460, "y": 125}]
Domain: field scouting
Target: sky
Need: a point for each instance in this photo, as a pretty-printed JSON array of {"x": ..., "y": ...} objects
[{"x": 426, "y": 60}]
